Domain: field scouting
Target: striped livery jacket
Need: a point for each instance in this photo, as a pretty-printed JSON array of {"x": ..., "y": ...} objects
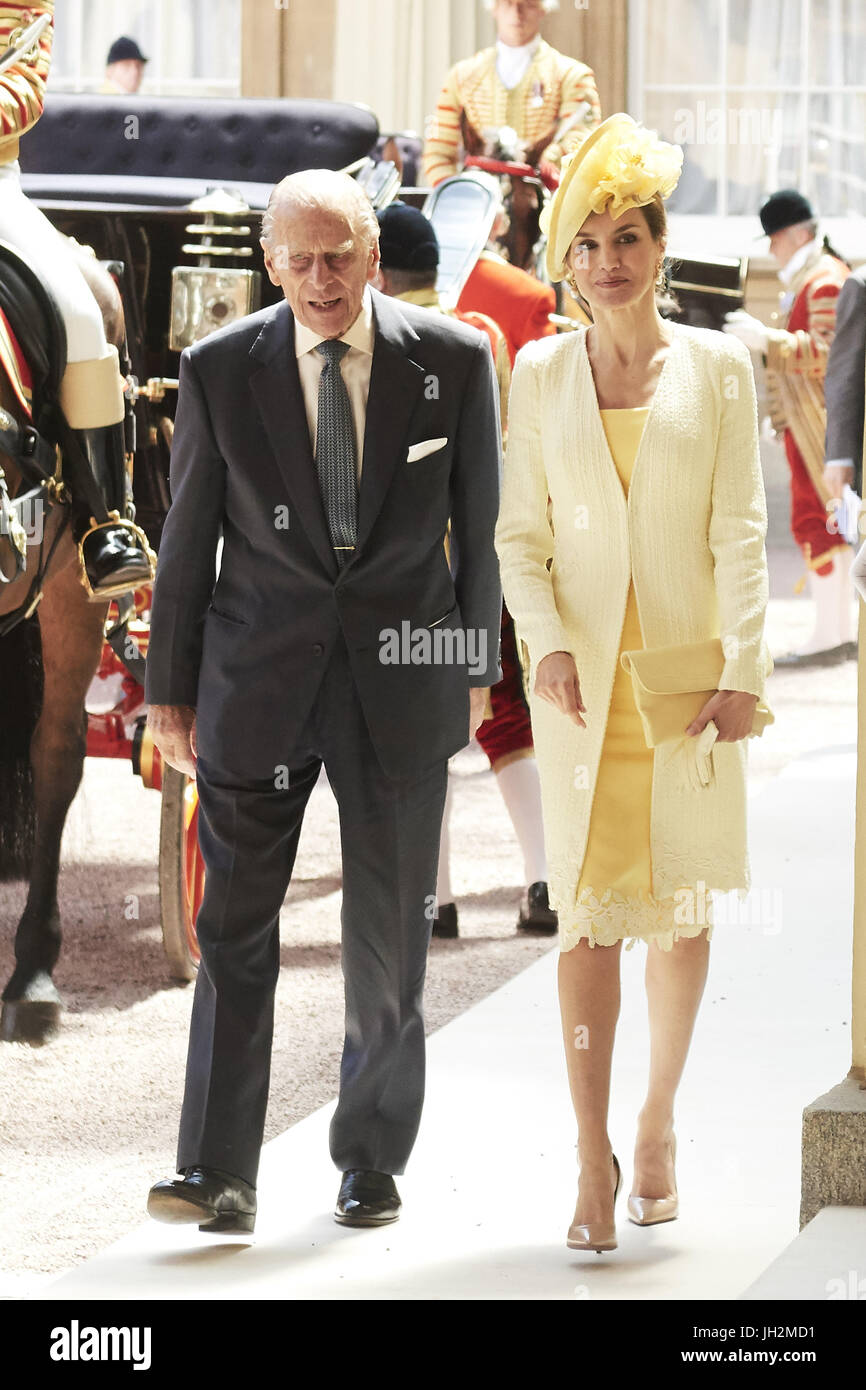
[
  {"x": 474, "y": 101},
  {"x": 22, "y": 86},
  {"x": 797, "y": 361}
]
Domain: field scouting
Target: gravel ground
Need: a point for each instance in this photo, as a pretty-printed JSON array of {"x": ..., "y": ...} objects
[{"x": 87, "y": 1123}]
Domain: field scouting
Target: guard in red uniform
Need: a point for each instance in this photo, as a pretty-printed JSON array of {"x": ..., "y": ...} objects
[
  {"x": 519, "y": 303},
  {"x": 408, "y": 267},
  {"x": 796, "y": 353}
]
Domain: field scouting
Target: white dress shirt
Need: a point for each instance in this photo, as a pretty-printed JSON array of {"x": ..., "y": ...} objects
[
  {"x": 355, "y": 367},
  {"x": 512, "y": 63}
]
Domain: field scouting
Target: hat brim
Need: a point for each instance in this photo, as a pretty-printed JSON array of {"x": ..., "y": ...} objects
[{"x": 555, "y": 264}]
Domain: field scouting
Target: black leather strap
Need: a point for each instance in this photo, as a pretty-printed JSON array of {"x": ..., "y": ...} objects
[
  {"x": 124, "y": 646},
  {"x": 33, "y": 454}
]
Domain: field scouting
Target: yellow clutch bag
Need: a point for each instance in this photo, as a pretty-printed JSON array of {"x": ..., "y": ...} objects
[{"x": 672, "y": 684}]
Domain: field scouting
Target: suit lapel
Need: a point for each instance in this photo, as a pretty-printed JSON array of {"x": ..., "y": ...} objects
[
  {"x": 276, "y": 385},
  {"x": 396, "y": 381}
]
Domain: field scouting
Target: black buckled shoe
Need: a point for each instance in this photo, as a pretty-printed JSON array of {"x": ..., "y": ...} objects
[
  {"x": 536, "y": 914},
  {"x": 367, "y": 1199},
  {"x": 115, "y": 560},
  {"x": 221, "y": 1203},
  {"x": 445, "y": 921}
]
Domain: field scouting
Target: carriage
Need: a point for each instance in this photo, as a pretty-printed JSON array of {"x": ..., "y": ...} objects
[{"x": 170, "y": 196}]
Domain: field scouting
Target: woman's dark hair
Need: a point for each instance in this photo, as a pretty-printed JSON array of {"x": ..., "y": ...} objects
[{"x": 656, "y": 218}]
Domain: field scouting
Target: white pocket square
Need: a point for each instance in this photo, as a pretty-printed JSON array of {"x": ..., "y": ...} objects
[{"x": 423, "y": 448}]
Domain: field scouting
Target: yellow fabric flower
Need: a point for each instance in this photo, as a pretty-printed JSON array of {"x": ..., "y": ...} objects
[{"x": 619, "y": 165}]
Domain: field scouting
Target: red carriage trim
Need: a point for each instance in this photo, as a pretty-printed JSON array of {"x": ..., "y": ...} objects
[{"x": 15, "y": 366}]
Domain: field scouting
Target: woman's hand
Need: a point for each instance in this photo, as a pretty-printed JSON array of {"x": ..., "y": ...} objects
[
  {"x": 556, "y": 681},
  {"x": 732, "y": 712}
]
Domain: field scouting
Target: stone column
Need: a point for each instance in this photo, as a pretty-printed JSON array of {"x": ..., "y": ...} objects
[
  {"x": 834, "y": 1125},
  {"x": 287, "y": 48},
  {"x": 393, "y": 54},
  {"x": 858, "y": 1014},
  {"x": 597, "y": 34}
]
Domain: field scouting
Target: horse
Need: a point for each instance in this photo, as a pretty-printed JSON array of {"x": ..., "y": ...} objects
[
  {"x": 48, "y": 661},
  {"x": 524, "y": 187}
]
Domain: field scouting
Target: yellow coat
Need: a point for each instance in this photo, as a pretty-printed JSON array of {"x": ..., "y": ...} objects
[{"x": 691, "y": 533}]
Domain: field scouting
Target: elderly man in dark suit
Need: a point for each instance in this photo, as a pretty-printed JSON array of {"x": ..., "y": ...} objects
[
  {"x": 328, "y": 440},
  {"x": 844, "y": 388}
]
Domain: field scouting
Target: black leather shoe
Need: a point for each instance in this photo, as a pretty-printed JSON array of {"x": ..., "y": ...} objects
[
  {"x": 445, "y": 921},
  {"x": 367, "y": 1199},
  {"x": 227, "y": 1203},
  {"x": 536, "y": 914}
]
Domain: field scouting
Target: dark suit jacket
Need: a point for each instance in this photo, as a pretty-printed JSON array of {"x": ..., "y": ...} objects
[
  {"x": 845, "y": 381},
  {"x": 250, "y": 652}
]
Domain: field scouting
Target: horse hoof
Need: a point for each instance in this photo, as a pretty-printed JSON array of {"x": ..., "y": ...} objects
[{"x": 32, "y": 1021}]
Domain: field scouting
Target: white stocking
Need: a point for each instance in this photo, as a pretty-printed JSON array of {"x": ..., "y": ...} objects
[{"x": 521, "y": 792}]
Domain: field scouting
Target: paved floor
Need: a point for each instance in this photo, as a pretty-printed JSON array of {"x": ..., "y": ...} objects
[{"x": 491, "y": 1187}]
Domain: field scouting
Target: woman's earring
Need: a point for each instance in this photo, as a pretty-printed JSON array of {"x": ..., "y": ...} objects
[{"x": 661, "y": 282}]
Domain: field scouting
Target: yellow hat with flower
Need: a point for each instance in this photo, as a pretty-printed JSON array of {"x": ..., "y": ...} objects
[{"x": 620, "y": 165}]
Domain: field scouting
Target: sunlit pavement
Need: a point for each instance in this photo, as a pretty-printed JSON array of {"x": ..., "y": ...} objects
[{"x": 491, "y": 1186}]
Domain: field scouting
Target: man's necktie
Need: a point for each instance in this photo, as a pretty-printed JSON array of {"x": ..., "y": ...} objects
[{"x": 335, "y": 452}]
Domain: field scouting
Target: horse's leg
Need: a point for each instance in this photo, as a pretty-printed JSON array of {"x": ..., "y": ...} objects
[{"x": 71, "y": 631}]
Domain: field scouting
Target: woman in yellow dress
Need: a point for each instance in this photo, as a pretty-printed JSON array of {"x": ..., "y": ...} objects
[{"x": 633, "y": 515}]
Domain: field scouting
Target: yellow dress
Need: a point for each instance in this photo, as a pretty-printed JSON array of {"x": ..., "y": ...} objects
[{"x": 614, "y": 894}]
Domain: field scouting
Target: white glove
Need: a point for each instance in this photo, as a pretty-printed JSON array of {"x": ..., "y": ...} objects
[
  {"x": 843, "y": 515},
  {"x": 748, "y": 329},
  {"x": 858, "y": 571},
  {"x": 768, "y": 431},
  {"x": 698, "y": 756}
]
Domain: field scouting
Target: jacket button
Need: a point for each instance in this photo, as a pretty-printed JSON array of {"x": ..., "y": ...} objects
[{"x": 317, "y": 649}]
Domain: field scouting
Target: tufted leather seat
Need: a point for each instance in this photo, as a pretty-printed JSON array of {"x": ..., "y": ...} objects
[{"x": 82, "y": 143}]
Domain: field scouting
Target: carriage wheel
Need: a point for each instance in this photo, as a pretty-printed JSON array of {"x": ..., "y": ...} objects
[{"x": 181, "y": 872}]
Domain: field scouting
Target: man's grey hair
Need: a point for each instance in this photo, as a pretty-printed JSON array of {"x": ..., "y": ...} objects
[
  {"x": 546, "y": 5},
  {"x": 326, "y": 190}
]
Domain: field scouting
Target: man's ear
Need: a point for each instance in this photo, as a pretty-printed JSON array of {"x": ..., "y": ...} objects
[{"x": 269, "y": 264}]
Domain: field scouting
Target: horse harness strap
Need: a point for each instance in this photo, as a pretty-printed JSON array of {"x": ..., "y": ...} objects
[
  {"x": 36, "y": 458},
  {"x": 124, "y": 646}
]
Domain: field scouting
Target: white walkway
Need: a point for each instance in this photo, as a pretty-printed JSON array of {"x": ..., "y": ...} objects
[{"x": 491, "y": 1187}]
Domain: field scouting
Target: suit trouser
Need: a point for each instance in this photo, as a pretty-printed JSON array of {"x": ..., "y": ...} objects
[{"x": 249, "y": 836}]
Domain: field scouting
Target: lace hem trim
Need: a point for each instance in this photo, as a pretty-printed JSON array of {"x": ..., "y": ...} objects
[{"x": 605, "y": 918}]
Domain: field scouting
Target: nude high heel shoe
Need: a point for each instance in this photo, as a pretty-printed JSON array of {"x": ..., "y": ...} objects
[
  {"x": 652, "y": 1211},
  {"x": 596, "y": 1235}
]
